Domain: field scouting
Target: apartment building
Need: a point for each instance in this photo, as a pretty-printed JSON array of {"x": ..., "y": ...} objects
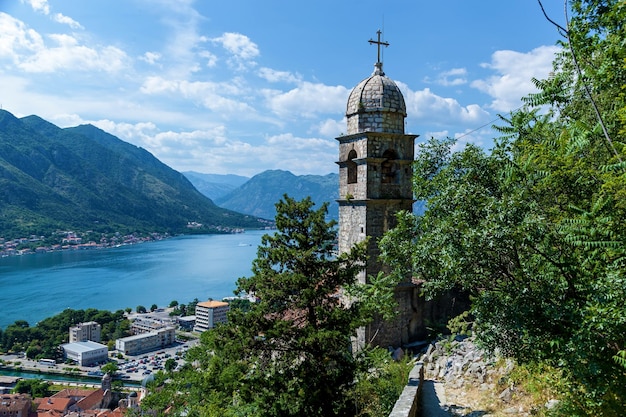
[
  {"x": 146, "y": 342},
  {"x": 210, "y": 313},
  {"x": 86, "y": 331},
  {"x": 143, "y": 325}
]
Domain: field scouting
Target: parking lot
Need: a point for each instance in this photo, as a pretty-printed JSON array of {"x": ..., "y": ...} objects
[{"x": 139, "y": 366}]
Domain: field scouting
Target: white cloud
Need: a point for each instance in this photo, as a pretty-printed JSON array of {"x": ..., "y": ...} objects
[
  {"x": 213, "y": 96},
  {"x": 213, "y": 150},
  {"x": 453, "y": 77},
  {"x": 150, "y": 57},
  {"x": 39, "y": 5},
  {"x": 242, "y": 49},
  {"x": 275, "y": 76},
  {"x": 211, "y": 59},
  {"x": 27, "y": 50},
  {"x": 43, "y": 7},
  {"x": 331, "y": 128},
  {"x": 238, "y": 45},
  {"x": 16, "y": 39},
  {"x": 70, "y": 55},
  {"x": 60, "y": 18},
  {"x": 307, "y": 100},
  {"x": 425, "y": 106},
  {"x": 514, "y": 73}
]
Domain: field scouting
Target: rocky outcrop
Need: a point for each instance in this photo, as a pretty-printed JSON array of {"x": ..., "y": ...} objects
[
  {"x": 460, "y": 362},
  {"x": 463, "y": 368}
]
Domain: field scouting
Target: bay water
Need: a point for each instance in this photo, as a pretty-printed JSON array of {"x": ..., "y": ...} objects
[{"x": 37, "y": 286}]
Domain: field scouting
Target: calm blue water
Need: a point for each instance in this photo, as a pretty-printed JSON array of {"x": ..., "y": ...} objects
[
  {"x": 57, "y": 377},
  {"x": 33, "y": 287}
]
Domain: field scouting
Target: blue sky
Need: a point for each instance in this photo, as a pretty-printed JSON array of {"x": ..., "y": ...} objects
[{"x": 242, "y": 86}]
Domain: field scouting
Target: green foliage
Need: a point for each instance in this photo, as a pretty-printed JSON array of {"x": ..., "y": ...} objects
[
  {"x": 141, "y": 309},
  {"x": 240, "y": 304},
  {"x": 461, "y": 324},
  {"x": 535, "y": 231},
  {"x": 82, "y": 178},
  {"x": 190, "y": 308},
  {"x": 374, "y": 297},
  {"x": 379, "y": 382},
  {"x": 36, "y": 388},
  {"x": 290, "y": 353},
  {"x": 170, "y": 364},
  {"x": 42, "y": 340},
  {"x": 109, "y": 368},
  {"x": 538, "y": 381}
]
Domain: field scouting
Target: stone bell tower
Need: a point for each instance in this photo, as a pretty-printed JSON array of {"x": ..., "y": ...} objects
[{"x": 375, "y": 172}]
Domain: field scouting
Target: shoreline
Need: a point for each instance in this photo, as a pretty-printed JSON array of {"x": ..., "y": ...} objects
[{"x": 129, "y": 240}]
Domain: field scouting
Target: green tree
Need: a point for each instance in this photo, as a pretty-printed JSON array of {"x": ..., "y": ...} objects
[
  {"x": 170, "y": 364},
  {"x": 173, "y": 303},
  {"x": 32, "y": 351},
  {"x": 153, "y": 307},
  {"x": 191, "y": 307},
  {"x": 141, "y": 309},
  {"x": 110, "y": 368},
  {"x": 290, "y": 353},
  {"x": 36, "y": 388},
  {"x": 536, "y": 230}
]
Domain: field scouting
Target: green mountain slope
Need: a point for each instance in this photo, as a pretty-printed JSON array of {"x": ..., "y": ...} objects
[
  {"x": 84, "y": 178},
  {"x": 215, "y": 185},
  {"x": 258, "y": 196}
]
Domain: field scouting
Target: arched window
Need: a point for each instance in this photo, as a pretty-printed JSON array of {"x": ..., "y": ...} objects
[
  {"x": 389, "y": 167},
  {"x": 352, "y": 177}
]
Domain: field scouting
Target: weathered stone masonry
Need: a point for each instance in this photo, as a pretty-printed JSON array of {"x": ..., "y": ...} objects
[
  {"x": 375, "y": 171},
  {"x": 375, "y": 183}
]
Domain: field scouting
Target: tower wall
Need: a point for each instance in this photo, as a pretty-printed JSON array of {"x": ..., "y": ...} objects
[{"x": 375, "y": 183}]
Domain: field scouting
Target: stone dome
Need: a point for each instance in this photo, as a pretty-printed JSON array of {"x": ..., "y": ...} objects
[
  {"x": 376, "y": 93},
  {"x": 148, "y": 379},
  {"x": 376, "y": 105}
]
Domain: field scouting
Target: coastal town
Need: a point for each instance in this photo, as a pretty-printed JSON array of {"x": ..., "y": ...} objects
[
  {"x": 72, "y": 240},
  {"x": 112, "y": 380}
]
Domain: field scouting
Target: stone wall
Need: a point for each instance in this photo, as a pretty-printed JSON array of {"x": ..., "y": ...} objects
[
  {"x": 409, "y": 402},
  {"x": 417, "y": 319}
]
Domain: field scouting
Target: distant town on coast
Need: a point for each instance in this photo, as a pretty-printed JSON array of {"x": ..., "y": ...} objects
[{"x": 70, "y": 240}]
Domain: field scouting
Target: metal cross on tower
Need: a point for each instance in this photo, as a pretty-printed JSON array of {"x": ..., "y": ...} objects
[{"x": 378, "y": 42}]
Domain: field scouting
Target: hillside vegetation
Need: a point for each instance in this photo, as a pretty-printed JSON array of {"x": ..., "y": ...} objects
[
  {"x": 259, "y": 195},
  {"x": 84, "y": 178},
  {"x": 535, "y": 231}
]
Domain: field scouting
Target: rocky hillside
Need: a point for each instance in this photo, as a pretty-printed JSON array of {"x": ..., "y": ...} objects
[{"x": 465, "y": 381}]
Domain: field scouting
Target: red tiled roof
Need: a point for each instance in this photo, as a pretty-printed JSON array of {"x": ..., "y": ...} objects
[
  {"x": 94, "y": 398},
  {"x": 53, "y": 404}
]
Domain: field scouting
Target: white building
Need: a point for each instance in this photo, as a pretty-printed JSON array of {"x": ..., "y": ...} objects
[
  {"x": 85, "y": 353},
  {"x": 148, "y": 324},
  {"x": 210, "y": 313},
  {"x": 86, "y": 331},
  {"x": 146, "y": 342}
]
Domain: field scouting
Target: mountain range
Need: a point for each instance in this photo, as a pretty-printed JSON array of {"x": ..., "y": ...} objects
[
  {"x": 258, "y": 196},
  {"x": 54, "y": 178},
  {"x": 215, "y": 185}
]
